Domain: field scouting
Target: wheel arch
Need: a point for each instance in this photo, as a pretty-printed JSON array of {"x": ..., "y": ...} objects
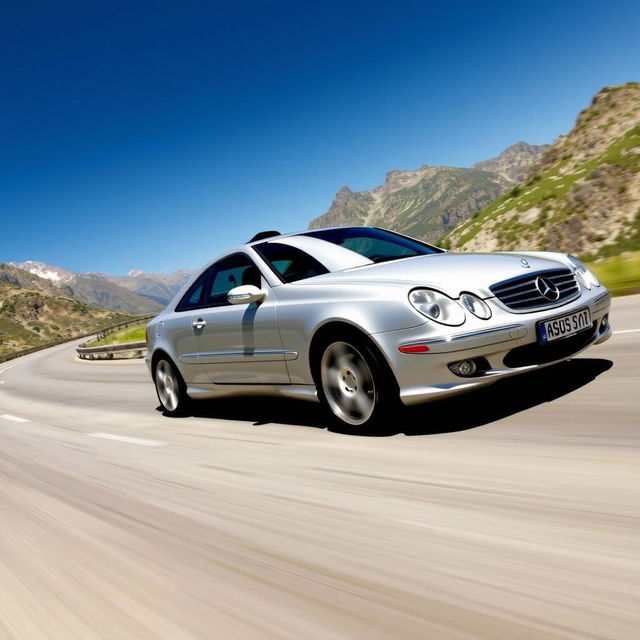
[{"x": 342, "y": 329}]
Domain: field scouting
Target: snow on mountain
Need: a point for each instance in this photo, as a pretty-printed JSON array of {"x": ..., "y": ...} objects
[
  {"x": 137, "y": 292},
  {"x": 95, "y": 290},
  {"x": 57, "y": 275}
]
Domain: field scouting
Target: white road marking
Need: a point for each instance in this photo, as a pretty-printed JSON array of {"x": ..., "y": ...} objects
[
  {"x": 626, "y": 331},
  {"x": 141, "y": 441},
  {"x": 6, "y": 416},
  {"x": 7, "y": 368}
]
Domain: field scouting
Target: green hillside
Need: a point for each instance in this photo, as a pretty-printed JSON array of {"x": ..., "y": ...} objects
[
  {"x": 582, "y": 196},
  {"x": 33, "y": 318}
]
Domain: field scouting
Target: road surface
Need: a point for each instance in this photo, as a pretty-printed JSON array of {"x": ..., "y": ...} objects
[{"x": 511, "y": 513}]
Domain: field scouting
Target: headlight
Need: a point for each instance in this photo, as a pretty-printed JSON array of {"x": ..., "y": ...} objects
[
  {"x": 436, "y": 306},
  {"x": 478, "y": 307},
  {"x": 585, "y": 277}
]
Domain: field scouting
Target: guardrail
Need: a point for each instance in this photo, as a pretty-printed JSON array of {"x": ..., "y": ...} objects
[
  {"x": 25, "y": 352},
  {"x": 121, "y": 325},
  {"x": 108, "y": 351}
]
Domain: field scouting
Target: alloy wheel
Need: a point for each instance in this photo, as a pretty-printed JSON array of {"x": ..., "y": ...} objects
[{"x": 348, "y": 383}]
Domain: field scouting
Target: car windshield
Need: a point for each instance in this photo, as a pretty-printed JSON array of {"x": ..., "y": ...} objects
[{"x": 375, "y": 244}]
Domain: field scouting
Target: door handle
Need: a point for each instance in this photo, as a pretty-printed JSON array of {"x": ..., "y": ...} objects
[{"x": 199, "y": 324}]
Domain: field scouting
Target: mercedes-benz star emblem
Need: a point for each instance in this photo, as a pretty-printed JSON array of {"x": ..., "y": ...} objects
[
  {"x": 525, "y": 263},
  {"x": 547, "y": 289}
]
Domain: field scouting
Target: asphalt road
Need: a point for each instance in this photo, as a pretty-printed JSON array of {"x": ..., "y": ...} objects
[{"x": 511, "y": 513}]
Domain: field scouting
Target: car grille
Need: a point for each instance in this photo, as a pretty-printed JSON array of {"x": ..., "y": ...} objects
[
  {"x": 523, "y": 293},
  {"x": 535, "y": 353}
]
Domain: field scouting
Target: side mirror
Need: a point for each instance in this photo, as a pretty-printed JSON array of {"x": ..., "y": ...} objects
[{"x": 245, "y": 294}]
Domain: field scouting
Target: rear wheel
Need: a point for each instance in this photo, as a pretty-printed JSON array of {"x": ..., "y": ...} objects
[
  {"x": 353, "y": 384},
  {"x": 170, "y": 388}
]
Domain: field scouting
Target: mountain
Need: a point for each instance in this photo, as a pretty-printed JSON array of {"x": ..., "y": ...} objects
[
  {"x": 160, "y": 287},
  {"x": 582, "y": 195},
  {"x": 57, "y": 275},
  {"x": 31, "y": 317},
  {"x": 90, "y": 288},
  {"x": 21, "y": 278},
  {"x": 514, "y": 162},
  {"x": 430, "y": 201}
]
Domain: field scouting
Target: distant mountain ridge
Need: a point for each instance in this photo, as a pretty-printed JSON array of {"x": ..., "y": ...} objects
[
  {"x": 160, "y": 287},
  {"x": 429, "y": 201},
  {"x": 582, "y": 195},
  {"x": 34, "y": 311},
  {"x": 92, "y": 289},
  {"x": 514, "y": 162},
  {"x": 19, "y": 277}
]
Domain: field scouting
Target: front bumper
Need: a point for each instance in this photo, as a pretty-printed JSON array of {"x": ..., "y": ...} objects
[{"x": 507, "y": 344}]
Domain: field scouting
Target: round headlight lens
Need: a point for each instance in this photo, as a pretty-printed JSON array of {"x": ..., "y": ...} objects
[
  {"x": 586, "y": 278},
  {"x": 436, "y": 306},
  {"x": 475, "y": 305}
]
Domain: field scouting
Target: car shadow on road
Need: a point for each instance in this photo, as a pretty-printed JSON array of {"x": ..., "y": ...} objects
[
  {"x": 502, "y": 399},
  {"x": 263, "y": 411},
  {"x": 458, "y": 413}
]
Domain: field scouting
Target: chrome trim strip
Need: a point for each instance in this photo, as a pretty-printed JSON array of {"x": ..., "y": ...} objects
[
  {"x": 241, "y": 354},
  {"x": 466, "y": 336}
]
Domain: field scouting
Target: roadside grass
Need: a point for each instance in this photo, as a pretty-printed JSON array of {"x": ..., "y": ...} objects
[
  {"x": 134, "y": 333},
  {"x": 620, "y": 274}
]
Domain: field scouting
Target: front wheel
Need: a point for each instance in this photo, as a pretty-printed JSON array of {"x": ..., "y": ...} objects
[
  {"x": 353, "y": 384},
  {"x": 170, "y": 388}
]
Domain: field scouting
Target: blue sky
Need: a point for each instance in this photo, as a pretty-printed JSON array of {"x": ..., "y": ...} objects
[{"x": 157, "y": 134}]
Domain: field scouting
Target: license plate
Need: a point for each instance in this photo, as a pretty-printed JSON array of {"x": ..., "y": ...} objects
[{"x": 564, "y": 326}]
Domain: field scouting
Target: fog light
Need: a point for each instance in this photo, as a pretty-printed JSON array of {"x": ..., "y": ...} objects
[
  {"x": 463, "y": 368},
  {"x": 605, "y": 323}
]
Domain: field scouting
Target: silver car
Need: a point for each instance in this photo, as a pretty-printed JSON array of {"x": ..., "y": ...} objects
[{"x": 359, "y": 318}]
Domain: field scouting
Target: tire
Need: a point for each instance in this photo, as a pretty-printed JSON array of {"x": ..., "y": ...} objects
[
  {"x": 355, "y": 385},
  {"x": 170, "y": 387}
]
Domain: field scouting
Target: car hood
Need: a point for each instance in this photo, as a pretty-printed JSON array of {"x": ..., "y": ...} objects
[{"x": 450, "y": 273}]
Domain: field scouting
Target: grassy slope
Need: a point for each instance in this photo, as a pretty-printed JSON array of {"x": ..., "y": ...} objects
[
  {"x": 34, "y": 318},
  {"x": 551, "y": 192},
  {"x": 620, "y": 274},
  {"x": 136, "y": 333},
  {"x": 550, "y": 185}
]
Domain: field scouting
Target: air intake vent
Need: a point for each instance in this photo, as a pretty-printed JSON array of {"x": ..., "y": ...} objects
[{"x": 537, "y": 290}]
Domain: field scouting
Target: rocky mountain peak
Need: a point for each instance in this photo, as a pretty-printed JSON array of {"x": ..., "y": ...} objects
[
  {"x": 428, "y": 201},
  {"x": 514, "y": 162}
]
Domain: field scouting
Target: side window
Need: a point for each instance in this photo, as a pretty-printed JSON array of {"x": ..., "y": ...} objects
[
  {"x": 289, "y": 263},
  {"x": 211, "y": 288},
  {"x": 193, "y": 298},
  {"x": 230, "y": 272}
]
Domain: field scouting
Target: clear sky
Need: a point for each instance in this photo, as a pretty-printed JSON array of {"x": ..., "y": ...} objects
[{"x": 157, "y": 134}]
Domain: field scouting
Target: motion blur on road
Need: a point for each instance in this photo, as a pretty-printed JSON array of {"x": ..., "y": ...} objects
[{"x": 510, "y": 513}]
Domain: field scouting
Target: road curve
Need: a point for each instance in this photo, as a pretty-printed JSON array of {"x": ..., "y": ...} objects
[{"x": 511, "y": 513}]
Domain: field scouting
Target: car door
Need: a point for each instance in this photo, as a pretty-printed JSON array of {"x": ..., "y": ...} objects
[{"x": 238, "y": 344}]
